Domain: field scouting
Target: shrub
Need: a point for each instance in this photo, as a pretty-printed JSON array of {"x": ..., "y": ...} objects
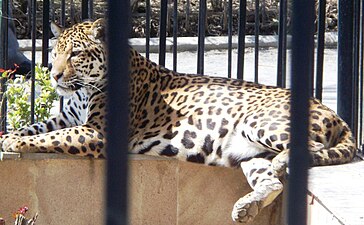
[{"x": 18, "y": 96}]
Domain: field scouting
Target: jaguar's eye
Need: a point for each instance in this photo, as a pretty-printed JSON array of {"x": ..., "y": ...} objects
[
  {"x": 75, "y": 53},
  {"x": 53, "y": 55}
]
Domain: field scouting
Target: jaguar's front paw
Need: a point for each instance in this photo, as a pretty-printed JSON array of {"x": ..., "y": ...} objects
[
  {"x": 10, "y": 143},
  {"x": 280, "y": 163}
]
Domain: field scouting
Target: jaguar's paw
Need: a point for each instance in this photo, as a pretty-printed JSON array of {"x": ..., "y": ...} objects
[
  {"x": 10, "y": 143},
  {"x": 280, "y": 163},
  {"x": 245, "y": 209}
]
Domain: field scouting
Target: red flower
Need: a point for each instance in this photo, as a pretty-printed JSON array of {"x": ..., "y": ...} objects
[
  {"x": 10, "y": 72},
  {"x": 21, "y": 211}
]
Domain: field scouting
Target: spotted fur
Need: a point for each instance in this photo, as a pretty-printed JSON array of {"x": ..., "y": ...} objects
[{"x": 210, "y": 120}]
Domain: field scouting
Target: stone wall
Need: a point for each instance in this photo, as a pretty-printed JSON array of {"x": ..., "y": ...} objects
[{"x": 65, "y": 190}]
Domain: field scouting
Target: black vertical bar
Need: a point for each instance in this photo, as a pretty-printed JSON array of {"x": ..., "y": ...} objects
[
  {"x": 303, "y": 13},
  {"x": 63, "y": 23},
  {"x": 53, "y": 17},
  {"x": 63, "y": 13},
  {"x": 201, "y": 37},
  {"x": 117, "y": 117},
  {"x": 230, "y": 35},
  {"x": 5, "y": 24},
  {"x": 241, "y": 39},
  {"x": 361, "y": 73},
  {"x": 4, "y": 59},
  {"x": 34, "y": 36},
  {"x": 84, "y": 9},
  {"x": 72, "y": 12},
  {"x": 187, "y": 15},
  {"x": 163, "y": 32},
  {"x": 282, "y": 45},
  {"x": 147, "y": 29},
  {"x": 175, "y": 33},
  {"x": 91, "y": 9},
  {"x": 29, "y": 16},
  {"x": 256, "y": 45},
  {"x": 345, "y": 60},
  {"x": 45, "y": 35},
  {"x": 354, "y": 97},
  {"x": 320, "y": 48}
]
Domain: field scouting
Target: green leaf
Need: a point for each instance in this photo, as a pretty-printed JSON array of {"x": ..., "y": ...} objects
[{"x": 18, "y": 98}]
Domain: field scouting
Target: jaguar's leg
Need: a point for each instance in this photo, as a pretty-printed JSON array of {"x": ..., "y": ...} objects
[
  {"x": 266, "y": 187},
  {"x": 280, "y": 162},
  {"x": 80, "y": 140},
  {"x": 73, "y": 114}
]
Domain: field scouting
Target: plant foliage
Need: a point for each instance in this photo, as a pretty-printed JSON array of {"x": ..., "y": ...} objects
[{"x": 18, "y": 94}]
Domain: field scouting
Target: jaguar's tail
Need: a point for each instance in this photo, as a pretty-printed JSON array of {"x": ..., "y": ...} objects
[{"x": 343, "y": 152}]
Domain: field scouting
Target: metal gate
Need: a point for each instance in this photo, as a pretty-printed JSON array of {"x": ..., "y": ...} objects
[{"x": 304, "y": 82}]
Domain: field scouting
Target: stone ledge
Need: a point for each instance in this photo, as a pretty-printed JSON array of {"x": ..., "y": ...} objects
[
  {"x": 190, "y": 43},
  {"x": 69, "y": 190}
]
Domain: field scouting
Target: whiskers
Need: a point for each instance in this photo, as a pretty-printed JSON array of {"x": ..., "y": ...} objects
[
  {"x": 83, "y": 84},
  {"x": 75, "y": 83}
]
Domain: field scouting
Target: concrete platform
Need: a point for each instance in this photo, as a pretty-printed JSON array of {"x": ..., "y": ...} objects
[
  {"x": 336, "y": 195},
  {"x": 65, "y": 190}
]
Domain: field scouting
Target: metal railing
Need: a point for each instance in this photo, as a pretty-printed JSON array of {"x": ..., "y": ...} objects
[
  {"x": 165, "y": 21},
  {"x": 305, "y": 82},
  {"x": 117, "y": 117},
  {"x": 302, "y": 72}
]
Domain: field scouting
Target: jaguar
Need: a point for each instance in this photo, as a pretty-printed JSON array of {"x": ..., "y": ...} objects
[{"x": 214, "y": 121}]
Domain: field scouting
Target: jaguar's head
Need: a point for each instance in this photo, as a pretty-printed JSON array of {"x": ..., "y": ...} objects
[{"x": 79, "y": 57}]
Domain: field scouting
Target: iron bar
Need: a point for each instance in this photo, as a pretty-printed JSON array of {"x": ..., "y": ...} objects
[
  {"x": 45, "y": 35},
  {"x": 72, "y": 12},
  {"x": 302, "y": 71},
  {"x": 187, "y": 25},
  {"x": 4, "y": 60},
  {"x": 163, "y": 32},
  {"x": 241, "y": 39},
  {"x": 53, "y": 17},
  {"x": 345, "y": 60},
  {"x": 63, "y": 23},
  {"x": 29, "y": 16},
  {"x": 175, "y": 33},
  {"x": 256, "y": 42},
  {"x": 361, "y": 86},
  {"x": 34, "y": 36},
  {"x": 201, "y": 37},
  {"x": 117, "y": 116},
  {"x": 84, "y": 9},
  {"x": 91, "y": 9},
  {"x": 5, "y": 24},
  {"x": 354, "y": 97},
  {"x": 147, "y": 28},
  {"x": 282, "y": 45},
  {"x": 320, "y": 48},
  {"x": 63, "y": 13},
  {"x": 230, "y": 35}
]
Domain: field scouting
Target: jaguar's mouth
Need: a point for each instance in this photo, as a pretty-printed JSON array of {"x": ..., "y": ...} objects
[{"x": 64, "y": 90}]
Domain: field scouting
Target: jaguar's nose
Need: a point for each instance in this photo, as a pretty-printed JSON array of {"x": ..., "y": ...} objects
[{"x": 58, "y": 76}]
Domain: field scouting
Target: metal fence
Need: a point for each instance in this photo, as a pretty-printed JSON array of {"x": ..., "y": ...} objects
[
  {"x": 304, "y": 63},
  {"x": 350, "y": 52}
]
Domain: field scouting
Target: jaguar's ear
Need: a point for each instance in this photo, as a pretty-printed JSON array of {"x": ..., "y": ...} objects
[
  {"x": 56, "y": 30},
  {"x": 98, "y": 30}
]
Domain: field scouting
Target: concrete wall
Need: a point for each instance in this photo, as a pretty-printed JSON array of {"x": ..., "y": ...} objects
[{"x": 69, "y": 191}]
